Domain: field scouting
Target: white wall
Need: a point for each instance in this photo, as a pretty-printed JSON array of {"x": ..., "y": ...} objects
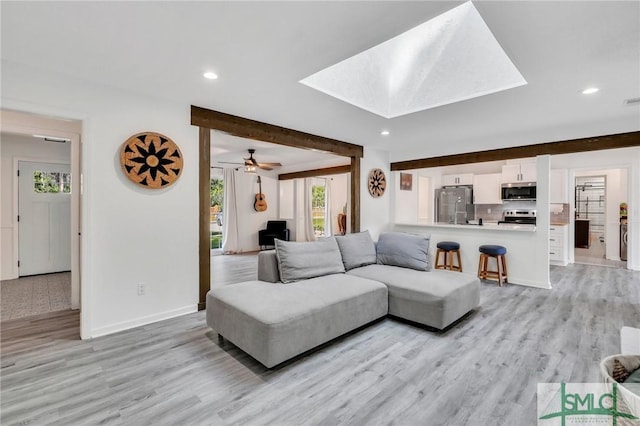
[
  {"x": 130, "y": 235},
  {"x": 624, "y": 158},
  {"x": 14, "y": 147},
  {"x": 375, "y": 212},
  {"x": 405, "y": 202},
  {"x": 286, "y": 199},
  {"x": 249, "y": 220}
]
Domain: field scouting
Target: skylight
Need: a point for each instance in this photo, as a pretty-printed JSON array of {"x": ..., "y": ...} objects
[{"x": 450, "y": 58}]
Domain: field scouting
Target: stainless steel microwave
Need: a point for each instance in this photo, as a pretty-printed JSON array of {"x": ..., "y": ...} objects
[{"x": 519, "y": 191}]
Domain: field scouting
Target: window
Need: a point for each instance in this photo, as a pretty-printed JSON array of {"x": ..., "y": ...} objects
[
  {"x": 66, "y": 183},
  {"x": 217, "y": 197},
  {"x": 318, "y": 210},
  {"x": 51, "y": 182}
]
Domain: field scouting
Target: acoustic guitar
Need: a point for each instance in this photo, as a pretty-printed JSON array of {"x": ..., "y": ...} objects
[{"x": 260, "y": 204}]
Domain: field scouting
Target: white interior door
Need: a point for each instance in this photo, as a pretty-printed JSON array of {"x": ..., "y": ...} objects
[{"x": 44, "y": 211}]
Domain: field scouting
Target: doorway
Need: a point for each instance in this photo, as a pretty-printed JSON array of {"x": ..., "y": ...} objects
[
  {"x": 598, "y": 196},
  {"x": 44, "y": 218},
  {"x": 29, "y": 138}
]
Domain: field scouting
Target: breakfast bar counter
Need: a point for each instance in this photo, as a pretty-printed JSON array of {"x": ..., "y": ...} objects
[
  {"x": 487, "y": 226},
  {"x": 526, "y": 246}
]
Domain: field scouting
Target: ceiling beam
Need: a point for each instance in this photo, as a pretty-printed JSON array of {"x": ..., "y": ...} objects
[
  {"x": 257, "y": 130},
  {"x": 621, "y": 140},
  {"x": 316, "y": 172}
]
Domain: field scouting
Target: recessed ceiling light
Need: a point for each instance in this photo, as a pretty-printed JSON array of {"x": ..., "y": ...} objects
[
  {"x": 384, "y": 133},
  {"x": 590, "y": 90},
  {"x": 210, "y": 75}
]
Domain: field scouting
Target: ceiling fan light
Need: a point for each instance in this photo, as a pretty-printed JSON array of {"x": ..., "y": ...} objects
[{"x": 249, "y": 168}]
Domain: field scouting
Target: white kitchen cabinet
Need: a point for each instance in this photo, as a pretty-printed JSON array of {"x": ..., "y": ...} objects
[
  {"x": 487, "y": 188},
  {"x": 521, "y": 172},
  {"x": 458, "y": 179},
  {"x": 559, "y": 187},
  {"x": 559, "y": 245}
]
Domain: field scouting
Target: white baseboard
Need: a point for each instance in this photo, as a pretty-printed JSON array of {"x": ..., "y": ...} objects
[
  {"x": 126, "y": 325},
  {"x": 529, "y": 283}
]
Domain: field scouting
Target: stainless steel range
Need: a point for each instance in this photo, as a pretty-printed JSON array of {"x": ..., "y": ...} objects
[{"x": 519, "y": 217}]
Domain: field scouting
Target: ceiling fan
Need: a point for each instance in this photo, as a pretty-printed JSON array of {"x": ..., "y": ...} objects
[{"x": 252, "y": 162}]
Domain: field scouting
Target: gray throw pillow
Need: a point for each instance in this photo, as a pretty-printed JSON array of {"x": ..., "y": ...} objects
[
  {"x": 356, "y": 249},
  {"x": 406, "y": 250},
  {"x": 299, "y": 261}
]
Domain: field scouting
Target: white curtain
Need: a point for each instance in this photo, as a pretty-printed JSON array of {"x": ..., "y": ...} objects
[
  {"x": 307, "y": 216},
  {"x": 328, "y": 217},
  {"x": 230, "y": 239}
]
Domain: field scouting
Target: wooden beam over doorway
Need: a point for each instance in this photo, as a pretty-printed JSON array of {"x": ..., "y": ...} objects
[
  {"x": 596, "y": 143},
  {"x": 316, "y": 172},
  {"x": 257, "y": 130}
]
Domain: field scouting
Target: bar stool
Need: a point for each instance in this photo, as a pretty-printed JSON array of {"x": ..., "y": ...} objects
[
  {"x": 498, "y": 253},
  {"x": 448, "y": 248}
]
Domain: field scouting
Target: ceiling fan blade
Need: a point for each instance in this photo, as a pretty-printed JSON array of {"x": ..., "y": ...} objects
[
  {"x": 263, "y": 167},
  {"x": 227, "y": 162},
  {"x": 271, "y": 164}
]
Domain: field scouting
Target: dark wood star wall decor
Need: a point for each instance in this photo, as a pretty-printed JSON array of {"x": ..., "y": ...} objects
[
  {"x": 377, "y": 183},
  {"x": 151, "y": 160}
]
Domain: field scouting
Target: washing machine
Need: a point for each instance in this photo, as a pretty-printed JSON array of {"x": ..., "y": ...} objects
[{"x": 623, "y": 242}]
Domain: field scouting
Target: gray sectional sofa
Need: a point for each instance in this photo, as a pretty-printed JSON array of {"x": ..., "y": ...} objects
[{"x": 310, "y": 293}]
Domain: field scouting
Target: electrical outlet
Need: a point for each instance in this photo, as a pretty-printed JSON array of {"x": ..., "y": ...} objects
[
  {"x": 488, "y": 210},
  {"x": 142, "y": 289}
]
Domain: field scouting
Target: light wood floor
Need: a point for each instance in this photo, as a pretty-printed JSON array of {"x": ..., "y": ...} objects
[
  {"x": 482, "y": 371},
  {"x": 232, "y": 269}
]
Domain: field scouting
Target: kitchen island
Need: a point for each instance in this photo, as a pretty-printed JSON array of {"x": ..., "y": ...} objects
[{"x": 527, "y": 247}]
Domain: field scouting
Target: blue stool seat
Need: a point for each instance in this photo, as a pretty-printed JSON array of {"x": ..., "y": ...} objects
[
  {"x": 493, "y": 250},
  {"x": 448, "y": 245}
]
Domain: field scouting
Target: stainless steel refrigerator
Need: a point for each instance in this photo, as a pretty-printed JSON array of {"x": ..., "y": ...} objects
[{"x": 454, "y": 204}]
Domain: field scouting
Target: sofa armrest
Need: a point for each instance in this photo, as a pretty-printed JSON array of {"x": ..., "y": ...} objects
[
  {"x": 285, "y": 235},
  {"x": 268, "y": 266}
]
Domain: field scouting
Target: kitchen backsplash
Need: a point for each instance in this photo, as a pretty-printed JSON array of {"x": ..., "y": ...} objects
[{"x": 493, "y": 212}]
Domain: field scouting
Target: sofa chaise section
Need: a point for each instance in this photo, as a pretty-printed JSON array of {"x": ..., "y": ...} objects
[
  {"x": 276, "y": 322},
  {"x": 436, "y": 298}
]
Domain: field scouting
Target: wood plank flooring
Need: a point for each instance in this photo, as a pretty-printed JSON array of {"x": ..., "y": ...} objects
[
  {"x": 482, "y": 371},
  {"x": 231, "y": 269}
]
